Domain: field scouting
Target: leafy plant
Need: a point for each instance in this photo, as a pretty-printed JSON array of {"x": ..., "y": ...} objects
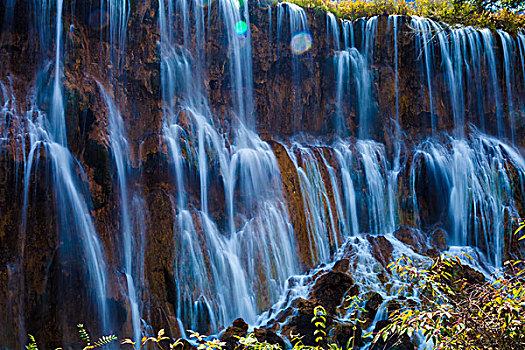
[
  {"x": 84, "y": 335},
  {"x": 357, "y": 309},
  {"x": 100, "y": 342},
  {"x": 457, "y": 314},
  {"x": 160, "y": 337},
  {"x": 206, "y": 344},
  {"x": 32, "y": 343},
  {"x": 456, "y": 12},
  {"x": 252, "y": 343}
]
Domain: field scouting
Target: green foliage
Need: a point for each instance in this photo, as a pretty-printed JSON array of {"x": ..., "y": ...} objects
[
  {"x": 160, "y": 337},
  {"x": 500, "y": 14},
  {"x": 319, "y": 321},
  {"x": 455, "y": 314},
  {"x": 100, "y": 342},
  {"x": 84, "y": 335},
  {"x": 356, "y": 310},
  {"x": 250, "y": 342},
  {"x": 32, "y": 343}
]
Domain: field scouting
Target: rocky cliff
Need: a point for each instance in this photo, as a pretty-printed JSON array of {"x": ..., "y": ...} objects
[{"x": 355, "y": 153}]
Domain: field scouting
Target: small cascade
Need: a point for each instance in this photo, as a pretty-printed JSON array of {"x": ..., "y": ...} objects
[
  {"x": 352, "y": 73},
  {"x": 72, "y": 202},
  {"x": 129, "y": 208},
  {"x": 425, "y": 49},
  {"x": 466, "y": 55},
  {"x": 321, "y": 219},
  {"x": 293, "y": 29},
  {"x": 353, "y": 80},
  {"x": 452, "y": 60},
  {"x": 366, "y": 105},
  {"x": 474, "y": 176},
  {"x": 490, "y": 61},
  {"x": 381, "y": 217},
  {"x": 507, "y": 43},
  {"x": 116, "y": 14},
  {"x": 332, "y": 31}
]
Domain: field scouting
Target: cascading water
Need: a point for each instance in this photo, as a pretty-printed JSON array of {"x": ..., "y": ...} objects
[
  {"x": 222, "y": 283},
  {"x": 507, "y": 44},
  {"x": 235, "y": 201},
  {"x": 121, "y": 156},
  {"x": 74, "y": 222},
  {"x": 353, "y": 82},
  {"x": 292, "y": 29},
  {"x": 131, "y": 204}
]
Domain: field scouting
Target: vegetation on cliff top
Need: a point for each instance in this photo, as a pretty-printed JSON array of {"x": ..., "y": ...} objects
[{"x": 505, "y": 14}]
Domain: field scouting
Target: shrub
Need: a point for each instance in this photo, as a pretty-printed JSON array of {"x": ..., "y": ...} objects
[
  {"x": 457, "y": 314},
  {"x": 84, "y": 335},
  {"x": 474, "y": 13}
]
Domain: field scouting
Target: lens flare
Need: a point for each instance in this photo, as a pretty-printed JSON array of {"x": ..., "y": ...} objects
[
  {"x": 240, "y": 28},
  {"x": 301, "y": 42},
  {"x": 98, "y": 19}
]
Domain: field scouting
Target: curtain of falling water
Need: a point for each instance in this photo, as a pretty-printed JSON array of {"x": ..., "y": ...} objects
[
  {"x": 132, "y": 247},
  {"x": 237, "y": 266},
  {"x": 130, "y": 200},
  {"x": 470, "y": 176},
  {"x": 234, "y": 267},
  {"x": 48, "y": 131},
  {"x": 472, "y": 173}
]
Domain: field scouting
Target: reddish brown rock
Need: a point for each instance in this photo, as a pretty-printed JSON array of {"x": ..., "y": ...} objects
[
  {"x": 381, "y": 249},
  {"x": 372, "y": 305},
  {"x": 266, "y": 335},
  {"x": 330, "y": 289},
  {"x": 439, "y": 239},
  {"x": 294, "y": 202},
  {"x": 412, "y": 237},
  {"x": 231, "y": 335}
]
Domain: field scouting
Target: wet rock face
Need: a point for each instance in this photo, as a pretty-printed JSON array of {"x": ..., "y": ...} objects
[
  {"x": 330, "y": 289},
  {"x": 231, "y": 335},
  {"x": 31, "y": 270},
  {"x": 381, "y": 249}
]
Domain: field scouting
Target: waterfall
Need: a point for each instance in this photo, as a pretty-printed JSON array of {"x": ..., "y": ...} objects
[
  {"x": 121, "y": 156},
  {"x": 222, "y": 283},
  {"x": 474, "y": 176},
  {"x": 507, "y": 44},
  {"x": 72, "y": 202},
  {"x": 379, "y": 123},
  {"x": 296, "y": 34},
  {"x": 353, "y": 81},
  {"x": 424, "y": 49}
]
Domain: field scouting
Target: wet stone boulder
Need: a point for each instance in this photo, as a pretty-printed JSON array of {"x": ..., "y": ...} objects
[
  {"x": 300, "y": 323},
  {"x": 412, "y": 237},
  {"x": 381, "y": 249},
  {"x": 330, "y": 289},
  {"x": 439, "y": 239},
  {"x": 371, "y": 307},
  {"x": 268, "y": 336},
  {"x": 239, "y": 328}
]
